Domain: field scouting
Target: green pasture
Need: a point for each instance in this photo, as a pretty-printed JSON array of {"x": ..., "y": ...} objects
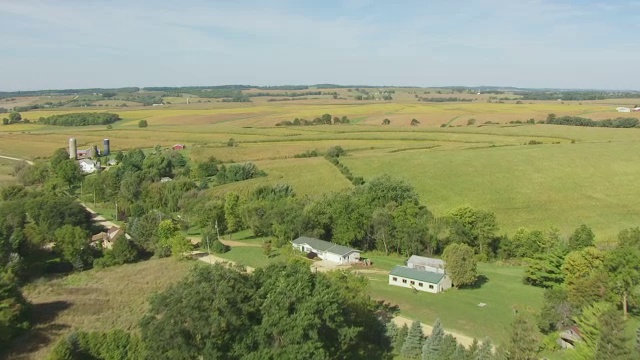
[{"x": 502, "y": 292}]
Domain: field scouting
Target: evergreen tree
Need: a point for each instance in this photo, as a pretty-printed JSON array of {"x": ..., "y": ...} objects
[
  {"x": 412, "y": 347},
  {"x": 612, "y": 341},
  {"x": 393, "y": 331},
  {"x": 523, "y": 342},
  {"x": 461, "y": 353},
  {"x": 433, "y": 344},
  {"x": 485, "y": 352},
  {"x": 448, "y": 348},
  {"x": 400, "y": 338}
]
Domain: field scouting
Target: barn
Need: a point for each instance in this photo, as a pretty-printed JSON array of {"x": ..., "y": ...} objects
[
  {"x": 426, "y": 263},
  {"x": 178, "y": 147},
  {"x": 327, "y": 250}
]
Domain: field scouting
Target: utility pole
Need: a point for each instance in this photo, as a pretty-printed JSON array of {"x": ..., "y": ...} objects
[
  {"x": 217, "y": 232},
  {"x": 94, "y": 198},
  {"x": 209, "y": 250},
  {"x": 116, "y": 210}
]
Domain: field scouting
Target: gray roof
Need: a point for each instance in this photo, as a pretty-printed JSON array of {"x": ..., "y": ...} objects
[
  {"x": 421, "y": 260},
  {"x": 420, "y": 275},
  {"x": 322, "y": 245}
]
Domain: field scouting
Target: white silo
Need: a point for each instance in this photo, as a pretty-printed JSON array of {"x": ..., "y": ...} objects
[{"x": 73, "y": 148}]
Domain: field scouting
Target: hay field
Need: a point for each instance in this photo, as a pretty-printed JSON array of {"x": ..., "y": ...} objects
[
  {"x": 94, "y": 300},
  {"x": 558, "y": 183},
  {"x": 6, "y": 172}
]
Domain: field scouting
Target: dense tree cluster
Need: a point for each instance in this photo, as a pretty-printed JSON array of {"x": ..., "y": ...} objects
[
  {"x": 280, "y": 312},
  {"x": 81, "y": 119},
  {"x": 577, "y": 95},
  {"x": 325, "y": 119},
  {"x": 444, "y": 99},
  {"x": 619, "y": 122}
]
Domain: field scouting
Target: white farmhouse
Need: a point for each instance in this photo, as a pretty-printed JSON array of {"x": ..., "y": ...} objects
[
  {"x": 327, "y": 250},
  {"x": 420, "y": 280},
  {"x": 89, "y": 166},
  {"x": 426, "y": 264}
]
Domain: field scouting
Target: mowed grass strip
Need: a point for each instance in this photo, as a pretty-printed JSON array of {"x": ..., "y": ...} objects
[
  {"x": 503, "y": 292},
  {"x": 536, "y": 187},
  {"x": 94, "y": 300}
]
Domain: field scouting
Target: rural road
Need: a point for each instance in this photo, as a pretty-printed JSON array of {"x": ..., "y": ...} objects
[{"x": 16, "y": 159}]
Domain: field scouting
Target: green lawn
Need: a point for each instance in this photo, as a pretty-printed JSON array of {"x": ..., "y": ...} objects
[
  {"x": 250, "y": 256},
  {"x": 458, "y": 309}
]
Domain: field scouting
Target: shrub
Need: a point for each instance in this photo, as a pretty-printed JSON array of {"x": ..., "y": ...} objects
[
  {"x": 143, "y": 123},
  {"x": 219, "y": 248}
]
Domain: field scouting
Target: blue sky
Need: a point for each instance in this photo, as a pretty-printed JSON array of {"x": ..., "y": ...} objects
[{"x": 526, "y": 43}]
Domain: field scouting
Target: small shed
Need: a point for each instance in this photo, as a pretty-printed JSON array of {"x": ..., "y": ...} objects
[
  {"x": 420, "y": 280},
  {"x": 623, "y": 109},
  {"x": 569, "y": 337},
  {"x": 426, "y": 264},
  {"x": 178, "y": 147}
]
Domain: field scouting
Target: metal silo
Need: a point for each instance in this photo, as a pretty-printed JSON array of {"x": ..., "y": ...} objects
[
  {"x": 73, "y": 148},
  {"x": 106, "y": 149}
]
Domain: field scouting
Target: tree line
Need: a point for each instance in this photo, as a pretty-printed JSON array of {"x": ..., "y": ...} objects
[
  {"x": 325, "y": 119},
  {"x": 620, "y": 122},
  {"x": 81, "y": 119}
]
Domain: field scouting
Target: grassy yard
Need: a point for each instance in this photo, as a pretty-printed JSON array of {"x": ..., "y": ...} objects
[
  {"x": 458, "y": 309},
  {"x": 250, "y": 256},
  {"x": 100, "y": 300}
]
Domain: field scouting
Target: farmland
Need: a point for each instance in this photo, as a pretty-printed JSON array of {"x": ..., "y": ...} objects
[{"x": 576, "y": 175}]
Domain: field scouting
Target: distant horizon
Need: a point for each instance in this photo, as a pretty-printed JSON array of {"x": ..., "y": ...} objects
[
  {"x": 507, "y": 88},
  {"x": 557, "y": 44}
]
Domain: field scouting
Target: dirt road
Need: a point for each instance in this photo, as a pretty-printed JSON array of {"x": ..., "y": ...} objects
[
  {"x": 462, "y": 339},
  {"x": 16, "y": 159}
]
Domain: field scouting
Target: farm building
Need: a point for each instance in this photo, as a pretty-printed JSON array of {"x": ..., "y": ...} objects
[
  {"x": 421, "y": 280},
  {"x": 178, "y": 147},
  {"x": 426, "y": 264},
  {"x": 106, "y": 239},
  {"x": 88, "y": 166},
  {"x": 569, "y": 337},
  {"x": 623, "y": 109},
  {"x": 327, "y": 250},
  {"x": 636, "y": 109}
]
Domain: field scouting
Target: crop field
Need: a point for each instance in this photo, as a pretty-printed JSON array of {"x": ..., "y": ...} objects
[{"x": 577, "y": 175}]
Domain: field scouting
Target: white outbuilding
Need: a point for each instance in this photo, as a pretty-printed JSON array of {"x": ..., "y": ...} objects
[
  {"x": 326, "y": 250},
  {"x": 420, "y": 280},
  {"x": 623, "y": 109},
  {"x": 89, "y": 166},
  {"x": 426, "y": 264}
]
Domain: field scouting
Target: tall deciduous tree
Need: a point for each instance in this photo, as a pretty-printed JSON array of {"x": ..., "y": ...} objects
[
  {"x": 461, "y": 264},
  {"x": 581, "y": 238},
  {"x": 481, "y": 227},
  {"x": 623, "y": 265},
  {"x": 232, "y": 213},
  {"x": 73, "y": 244}
]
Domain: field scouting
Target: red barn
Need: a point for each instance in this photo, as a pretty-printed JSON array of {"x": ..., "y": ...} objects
[{"x": 178, "y": 147}]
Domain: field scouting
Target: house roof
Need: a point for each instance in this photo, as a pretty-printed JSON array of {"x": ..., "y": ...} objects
[
  {"x": 421, "y": 260},
  {"x": 88, "y": 162},
  {"x": 322, "y": 245},
  {"x": 420, "y": 275}
]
